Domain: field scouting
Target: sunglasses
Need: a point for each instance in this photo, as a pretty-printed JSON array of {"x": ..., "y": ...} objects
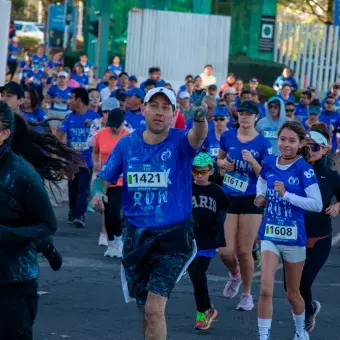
[
  {"x": 314, "y": 147},
  {"x": 200, "y": 172},
  {"x": 219, "y": 119},
  {"x": 290, "y": 110},
  {"x": 330, "y": 103},
  {"x": 272, "y": 107}
]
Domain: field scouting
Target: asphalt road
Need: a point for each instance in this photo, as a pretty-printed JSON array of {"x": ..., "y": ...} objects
[{"x": 84, "y": 301}]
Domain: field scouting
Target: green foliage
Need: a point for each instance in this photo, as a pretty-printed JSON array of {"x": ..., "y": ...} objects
[
  {"x": 29, "y": 44},
  {"x": 70, "y": 58},
  {"x": 22, "y": 11}
]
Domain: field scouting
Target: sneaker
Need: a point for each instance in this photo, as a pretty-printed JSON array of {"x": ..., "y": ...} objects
[
  {"x": 70, "y": 219},
  {"x": 204, "y": 320},
  {"x": 103, "y": 240},
  {"x": 79, "y": 222},
  {"x": 303, "y": 336},
  {"x": 233, "y": 285},
  {"x": 311, "y": 319},
  {"x": 115, "y": 249},
  {"x": 246, "y": 303},
  {"x": 53, "y": 257}
]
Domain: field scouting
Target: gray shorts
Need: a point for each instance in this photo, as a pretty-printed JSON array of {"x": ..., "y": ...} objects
[
  {"x": 291, "y": 254},
  {"x": 54, "y": 124}
]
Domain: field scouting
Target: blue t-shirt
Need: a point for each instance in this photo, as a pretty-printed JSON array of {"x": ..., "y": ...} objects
[
  {"x": 242, "y": 181},
  {"x": 15, "y": 50},
  {"x": 159, "y": 83},
  {"x": 40, "y": 60},
  {"x": 37, "y": 77},
  {"x": 336, "y": 106},
  {"x": 157, "y": 180},
  {"x": 291, "y": 98},
  {"x": 77, "y": 129},
  {"x": 301, "y": 111},
  {"x": 115, "y": 69},
  {"x": 135, "y": 119},
  {"x": 211, "y": 144},
  {"x": 82, "y": 79},
  {"x": 331, "y": 118},
  {"x": 87, "y": 67},
  {"x": 283, "y": 223},
  {"x": 101, "y": 85},
  {"x": 52, "y": 64},
  {"x": 281, "y": 80},
  {"x": 55, "y": 91},
  {"x": 36, "y": 116}
]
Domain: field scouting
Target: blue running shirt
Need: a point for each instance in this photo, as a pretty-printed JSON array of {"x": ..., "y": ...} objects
[
  {"x": 283, "y": 223},
  {"x": 55, "y": 91},
  {"x": 211, "y": 144},
  {"x": 242, "y": 181},
  {"x": 157, "y": 180}
]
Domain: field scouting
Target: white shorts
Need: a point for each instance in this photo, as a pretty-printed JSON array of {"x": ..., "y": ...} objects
[
  {"x": 291, "y": 254},
  {"x": 56, "y": 114}
]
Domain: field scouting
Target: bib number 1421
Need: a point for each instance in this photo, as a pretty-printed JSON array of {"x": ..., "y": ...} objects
[{"x": 146, "y": 180}]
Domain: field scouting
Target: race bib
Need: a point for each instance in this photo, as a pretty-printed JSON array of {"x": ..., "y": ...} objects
[
  {"x": 280, "y": 232},
  {"x": 60, "y": 106},
  {"x": 214, "y": 152},
  {"x": 79, "y": 146},
  {"x": 147, "y": 180},
  {"x": 270, "y": 134},
  {"x": 13, "y": 56},
  {"x": 236, "y": 182}
]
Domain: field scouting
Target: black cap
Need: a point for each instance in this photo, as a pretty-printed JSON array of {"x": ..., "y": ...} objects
[
  {"x": 212, "y": 87},
  {"x": 113, "y": 76},
  {"x": 13, "y": 88},
  {"x": 115, "y": 118},
  {"x": 249, "y": 106}
]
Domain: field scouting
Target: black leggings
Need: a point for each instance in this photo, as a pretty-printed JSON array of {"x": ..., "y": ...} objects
[
  {"x": 113, "y": 218},
  {"x": 315, "y": 259},
  {"x": 197, "y": 272}
]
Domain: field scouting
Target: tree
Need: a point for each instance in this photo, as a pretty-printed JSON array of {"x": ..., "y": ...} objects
[{"x": 323, "y": 10}]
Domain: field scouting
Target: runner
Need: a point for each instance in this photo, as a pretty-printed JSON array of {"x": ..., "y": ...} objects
[
  {"x": 241, "y": 154},
  {"x": 319, "y": 225},
  {"x": 104, "y": 143},
  {"x": 156, "y": 164},
  {"x": 287, "y": 186},
  {"x": 210, "y": 205}
]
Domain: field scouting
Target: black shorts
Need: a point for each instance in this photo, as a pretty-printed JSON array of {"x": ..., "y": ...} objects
[
  {"x": 158, "y": 269},
  {"x": 244, "y": 205},
  {"x": 18, "y": 309}
]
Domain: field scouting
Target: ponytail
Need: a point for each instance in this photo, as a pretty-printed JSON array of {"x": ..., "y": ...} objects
[{"x": 306, "y": 152}]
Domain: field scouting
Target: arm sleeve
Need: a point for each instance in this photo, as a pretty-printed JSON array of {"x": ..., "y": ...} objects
[
  {"x": 38, "y": 209},
  {"x": 261, "y": 187},
  {"x": 113, "y": 168},
  {"x": 313, "y": 201}
]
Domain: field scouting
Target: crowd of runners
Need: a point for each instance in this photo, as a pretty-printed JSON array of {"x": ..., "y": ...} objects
[{"x": 179, "y": 176}]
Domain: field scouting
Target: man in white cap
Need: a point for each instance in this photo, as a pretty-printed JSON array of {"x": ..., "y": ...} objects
[
  {"x": 58, "y": 96},
  {"x": 184, "y": 104},
  {"x": 156, "y": 165}
]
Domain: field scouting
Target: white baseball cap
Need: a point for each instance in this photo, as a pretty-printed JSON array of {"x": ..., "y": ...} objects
[
  {"x": 183, "y": 95},
  {"x": 169, "y": 94},
  {"x": 63, "y": 74},
  {"x": 230, "y": 90}
]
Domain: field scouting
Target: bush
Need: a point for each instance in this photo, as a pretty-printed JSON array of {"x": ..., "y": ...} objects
[
  {"x": 70, "y": 58},
  {"x": 29, "y": 44},
  {"x": 265, "y": 71},
  {"x": 268, "y": 91}
]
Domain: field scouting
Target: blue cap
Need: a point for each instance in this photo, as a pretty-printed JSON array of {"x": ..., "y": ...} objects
[
  {"x": 221, "y": 111},
  {"x": 133, "y": 78},
  {"x": 135, "y": 91}
]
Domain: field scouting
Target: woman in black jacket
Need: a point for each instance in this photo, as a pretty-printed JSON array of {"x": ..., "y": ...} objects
[
  {"x": 319, "y": 225},
  {"x": 26, "y": 216}
]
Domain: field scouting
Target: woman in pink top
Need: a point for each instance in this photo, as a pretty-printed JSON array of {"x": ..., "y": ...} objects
[{"x": 104, "y": 143}]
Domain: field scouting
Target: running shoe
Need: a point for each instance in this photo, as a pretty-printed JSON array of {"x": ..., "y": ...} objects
[
  {"x": 79, "y": 222},
  {"x": 204, "y": 320},
  {"x": 304, "y": 336},
  {"x": 232, "y": 287},
  {"x": 70, "y": 219},
  {"x": 246, "y": 303},
  {"x": 115, "y": 249},
  {"x": 311, "y": 319},
  {"x": 103, "y": 240},
  {"x": 54, "y": 257}
]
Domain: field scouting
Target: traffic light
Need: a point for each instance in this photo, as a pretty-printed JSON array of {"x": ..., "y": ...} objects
[{"x": 94, "y": 28}]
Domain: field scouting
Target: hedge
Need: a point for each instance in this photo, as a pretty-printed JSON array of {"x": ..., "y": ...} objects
[{"x": 29, "y": 44}]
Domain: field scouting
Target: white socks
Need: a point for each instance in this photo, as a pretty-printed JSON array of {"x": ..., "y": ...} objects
[
  {"x": 299, "y": 321},
  {"x": 264, "y": 328}
]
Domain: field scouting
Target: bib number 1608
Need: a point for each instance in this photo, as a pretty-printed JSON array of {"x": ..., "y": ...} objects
[{"x": 281, "y": 232}]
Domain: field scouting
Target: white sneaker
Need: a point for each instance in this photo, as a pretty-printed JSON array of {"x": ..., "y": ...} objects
[
  {"x": 303, "y": 336},
  {"x": 115, "y": 249},
  {"x": 103, "y": 241}
]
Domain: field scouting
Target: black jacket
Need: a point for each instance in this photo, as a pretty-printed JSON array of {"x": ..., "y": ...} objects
[
  {"x": 209, "y": 208},
  {"x": 26, "y": 215},
  {"x": 320, "y": 224}
]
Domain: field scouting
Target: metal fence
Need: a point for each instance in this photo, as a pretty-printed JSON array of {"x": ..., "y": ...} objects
[{"x": 312, "y": 51}]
